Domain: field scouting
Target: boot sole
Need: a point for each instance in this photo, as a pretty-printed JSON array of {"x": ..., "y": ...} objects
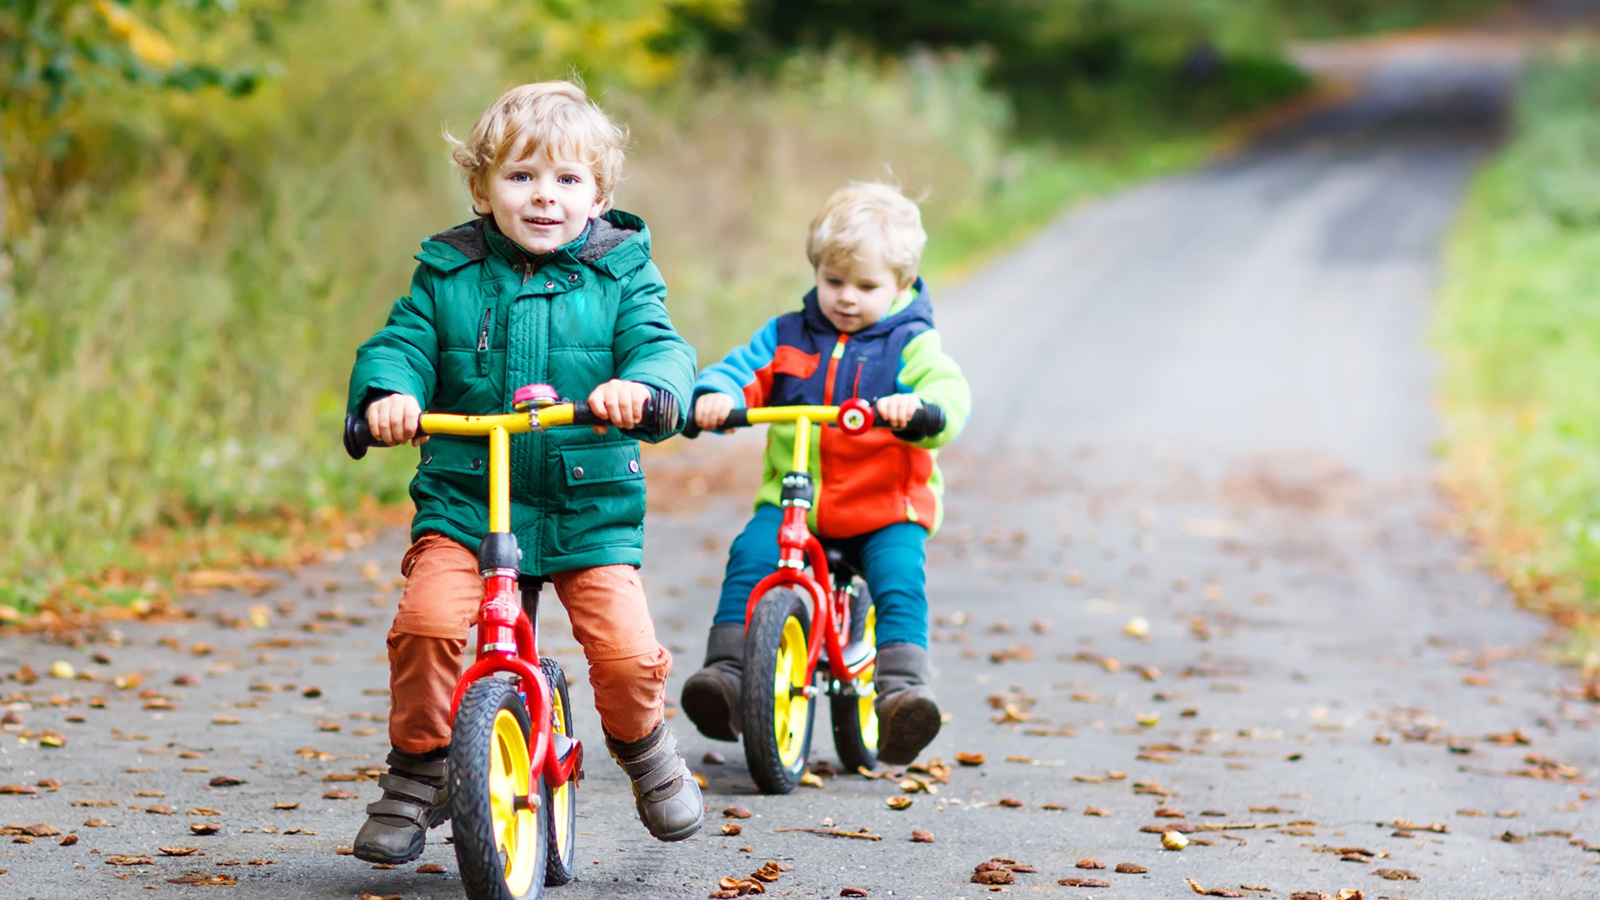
[{"x": 914, "y": 726}]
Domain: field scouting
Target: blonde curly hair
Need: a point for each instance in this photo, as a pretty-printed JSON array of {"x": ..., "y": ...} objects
[
  {"x": 864, "y": 217},
  {"x": 555, "y": 118}
]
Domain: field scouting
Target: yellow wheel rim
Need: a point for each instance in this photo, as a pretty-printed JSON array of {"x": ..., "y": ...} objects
[
  {"x": 867, "y": 688},
  {"x": 790, "y": 704},
  {"x": 561, "y": 796},
  {"x": 516, "y": 824}
]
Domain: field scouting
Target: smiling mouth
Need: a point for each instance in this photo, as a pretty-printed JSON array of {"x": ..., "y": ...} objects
[{"x": 541, "y": 222}]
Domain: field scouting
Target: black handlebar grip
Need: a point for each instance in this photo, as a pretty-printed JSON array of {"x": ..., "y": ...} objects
[
  {"x": 660, "y": 415},
  {"x": 925, "y": 423},
  {"x": 358, "y": 437}
]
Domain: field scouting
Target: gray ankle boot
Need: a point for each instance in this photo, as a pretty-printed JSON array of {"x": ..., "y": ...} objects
[
  {"x": 666, "y": 795},
  {"x": 414, "y": 800},
  {"x": 711, "y": 695},
  {"x": 908, "y": 714}
]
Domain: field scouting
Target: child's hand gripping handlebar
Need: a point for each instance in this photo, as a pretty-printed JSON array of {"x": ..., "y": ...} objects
[
  {"x": 853, "y": 417},
  {"x": 537, "y": 411}
]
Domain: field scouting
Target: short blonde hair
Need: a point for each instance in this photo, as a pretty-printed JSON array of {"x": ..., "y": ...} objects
[
  {"x": 864, "y": 216},
  {"x": 555, "y": 118}
]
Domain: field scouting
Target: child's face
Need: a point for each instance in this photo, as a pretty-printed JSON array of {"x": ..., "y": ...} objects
[
  {"x": 539, "y": 202},
  {"x": 855, "y": 293}
]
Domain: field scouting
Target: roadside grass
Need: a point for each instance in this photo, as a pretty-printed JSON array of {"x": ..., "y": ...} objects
[
  {"x": 175, "y": 354},
  {"x": 1518, "y": 327}
]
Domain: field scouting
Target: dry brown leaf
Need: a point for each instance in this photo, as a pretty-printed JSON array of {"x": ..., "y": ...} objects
[
  {"x": 1096, "y": 811},
  {"x": 736, "y": 812},
  {"x": 853, "y": 892},
  {"x": 286, "y": 804},
  {"x": 226, "y": 781},
  {"x": 1396, "y": 874},
  {"x": 18, "y": 789},
  {"x": 919, "y": 836},
  {"x": 204, "y": 827},
  {"x": 178, "y": 851},
  {"x": 128, "y": 861},
  {"x": 202, "y": 811},
  {"x": 430, "y": 869},
  {"x": 899, "y": 802},
  {"x": 1131, "y": 869},
  {"x": 1090, "y": 864},
  {"x": 994, "y": 876},
  {"x": 366, "y": 895},
  {"x": 67, "y": 840},
  {"x": 219, "y": 879},
  {"x": 96, "y": 823},
  {"x": 1083, "y": 882},
  {"x": 966, "y": 759},
  {"x": 1213, "y": 892},
  {"x": 337, "y": 794}
]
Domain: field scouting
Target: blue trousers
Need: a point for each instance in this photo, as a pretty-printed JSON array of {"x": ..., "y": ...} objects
[{"x": 893, "y": 559}]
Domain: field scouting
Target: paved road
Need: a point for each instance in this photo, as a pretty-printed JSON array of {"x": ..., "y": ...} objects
[{"x": 1204, "y": 403}]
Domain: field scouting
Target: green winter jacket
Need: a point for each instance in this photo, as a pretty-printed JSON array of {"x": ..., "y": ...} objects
[{"x": 483, "y": 318}]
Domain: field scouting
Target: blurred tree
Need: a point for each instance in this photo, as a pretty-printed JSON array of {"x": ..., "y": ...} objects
[{"x": 54, "y": 51}]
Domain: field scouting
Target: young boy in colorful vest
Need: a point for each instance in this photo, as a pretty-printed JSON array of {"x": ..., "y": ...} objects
[
  {"x": 866, "y": 331},
  {"x": 547, "y": 285}
]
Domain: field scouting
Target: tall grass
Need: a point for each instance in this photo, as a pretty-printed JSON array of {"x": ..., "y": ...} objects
[
  {"x": 1519, "y": 330},
  {"x": 176, "y": 352}
]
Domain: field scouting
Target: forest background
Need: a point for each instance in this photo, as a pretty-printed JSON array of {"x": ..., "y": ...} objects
[{"x": 207, "y": 204}]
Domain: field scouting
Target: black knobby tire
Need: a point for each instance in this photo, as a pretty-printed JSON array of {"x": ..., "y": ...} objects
[
  {"x": 776, "y": 760},
  {"x": 473, "y": 741},
  {"x": 852, "y": 708},
  {"x": 561, "y": 829}
]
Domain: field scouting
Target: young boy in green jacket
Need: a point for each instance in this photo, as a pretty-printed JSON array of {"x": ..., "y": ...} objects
[{"x": 547, "y": 285}]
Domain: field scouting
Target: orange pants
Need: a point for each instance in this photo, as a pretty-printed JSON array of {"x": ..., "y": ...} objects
[{"x": 627, "y": 666}]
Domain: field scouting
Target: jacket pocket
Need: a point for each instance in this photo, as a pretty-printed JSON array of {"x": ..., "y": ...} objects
[
  {"x": 604, "y": 497},
  {"x": 449, "y": 454}
]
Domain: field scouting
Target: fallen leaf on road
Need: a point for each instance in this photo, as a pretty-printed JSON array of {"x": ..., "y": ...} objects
[
  {"x": 204, "y": 827},
  {"x": 178, "y": 851},
  {"x": 732, "y": 828},
  {"x": 337, "y": 794},
  {"x": 921, "y": 837},
  {"x": 900, "y": 802},
  {"x": 1090, "y": 864},
  {"x": 218, "y": 879},
  {"x": 225, "y": 720},
  {"x": 202, "y": 811},
  {"x": 129, "y": 861},
  {"x": 994, "y": 876},
  {"x": 1213, "y": 892},
  {"x": 1096, "y": 811},
  {"x": 430, "y": 869},
  {"x": 809, "y": 779},
  {"x": 1083, "y": 882},
  {"x": 366, "y": 895},
  {"x": 966, "y": 759},
  {"x": 18, "y": 789},
  {"x": 1131, "y": 869},
  {"x": 736, "y": 812},
  {"x": 67, "y": 840},
  {"x": 853, "y": 892},
  {"x": 1396, "y": 874},
  {"x": 1010, "y": 803},
  {"x": 1172, "y": 840},
  {"x": 39, "y": 830},
  {"x": 834, "y": 832},
  {"x": 226, "y": 781},
  {"x": 96, "y": 823},
  {"x": 160, "y": 809}
]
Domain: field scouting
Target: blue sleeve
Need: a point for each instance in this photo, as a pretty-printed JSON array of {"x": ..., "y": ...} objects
[{"x": 735, "y": 373}]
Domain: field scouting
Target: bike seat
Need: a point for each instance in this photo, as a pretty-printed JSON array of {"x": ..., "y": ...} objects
[{"x": 842, "y": 565}]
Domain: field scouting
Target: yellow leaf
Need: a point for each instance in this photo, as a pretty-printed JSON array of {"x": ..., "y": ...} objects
[{"x": 149, "y": 45}]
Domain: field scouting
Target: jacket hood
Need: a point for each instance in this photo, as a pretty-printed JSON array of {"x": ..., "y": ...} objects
[
  {"x": 920, "y": 309},
  {"x": 617, "y": 243}
]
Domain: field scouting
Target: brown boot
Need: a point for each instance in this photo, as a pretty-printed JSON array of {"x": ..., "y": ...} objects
[
  {"x": 908, "y": 714},
  {"x": 414, "y": 800},
  {"x": 711, "y": 695}
]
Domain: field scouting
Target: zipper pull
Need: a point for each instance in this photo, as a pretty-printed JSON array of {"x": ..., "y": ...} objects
[{"x": 483, "y": 342}]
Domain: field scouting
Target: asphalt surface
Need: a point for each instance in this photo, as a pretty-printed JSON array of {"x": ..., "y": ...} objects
[{"x": 1203, "y": 404}]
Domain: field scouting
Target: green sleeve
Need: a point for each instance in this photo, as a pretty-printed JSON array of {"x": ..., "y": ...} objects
[
  {"x": 934, "y": 376},
  {"x": 645, "y": 346},
  {"x": 403, "y": 357}
]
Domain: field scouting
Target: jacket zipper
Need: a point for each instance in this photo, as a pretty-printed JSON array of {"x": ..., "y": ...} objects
[{"x": 483, "y": 341}]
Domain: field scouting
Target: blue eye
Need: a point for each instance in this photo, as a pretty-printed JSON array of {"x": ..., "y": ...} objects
[
  {"x": 521, "y": 177},
  {"x": 570, "y": 179}
]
